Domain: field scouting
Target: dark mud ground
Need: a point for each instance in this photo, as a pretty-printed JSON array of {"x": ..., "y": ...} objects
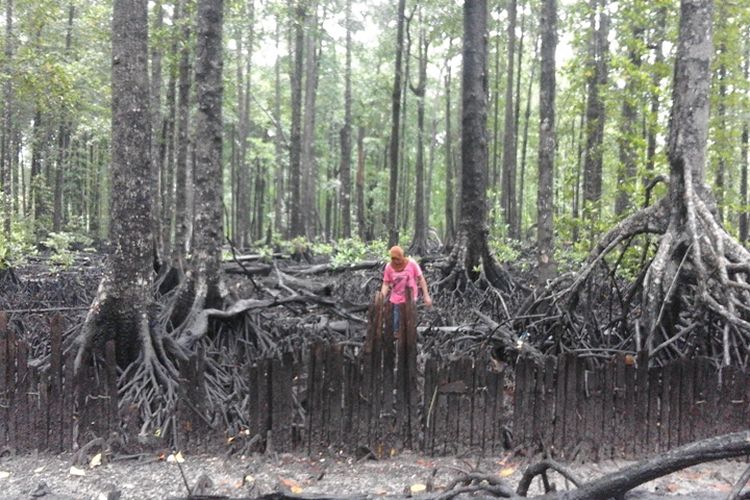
[{"x": 50, "y": 477}]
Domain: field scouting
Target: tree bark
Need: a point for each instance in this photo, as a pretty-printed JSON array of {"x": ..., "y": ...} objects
[
  {"x": 297, "y": 227},
  {"x": 508, "y": 187},
  {"x": 308, "y": 162},
  {"x": 395, "y": 127},
  {"x": 121, "y": 306},
  {"x": 346, "y": 134},
  {"x": 182, "y": 219},
  {"x": 547, "y": 139},
  {"x": 361, "y": 214},
  {"x": 743, "y": 153},
  {"x": 7, "y": 122},
  {"x": 156, "y": 119},
  {"x": 419, "y": 242},
  {"x": 595, "y": 110},
  {"x": 472, "y": 246},
  {"x": 449, "y": 196},
  {"x": 208, "y": 149},
  {"x": 627, "y": 169}
]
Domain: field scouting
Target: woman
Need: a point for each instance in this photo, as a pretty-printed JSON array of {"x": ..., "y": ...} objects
[{"x": 402, "y": 272}]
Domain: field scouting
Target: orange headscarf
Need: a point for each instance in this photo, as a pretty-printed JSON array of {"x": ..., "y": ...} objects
[{"x": 398, "y": 259}]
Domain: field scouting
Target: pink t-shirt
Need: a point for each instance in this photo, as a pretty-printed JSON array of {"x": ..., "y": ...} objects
[{"x": 400, "y": 280}]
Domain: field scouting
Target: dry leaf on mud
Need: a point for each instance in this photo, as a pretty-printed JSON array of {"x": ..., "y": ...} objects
[
  {"x": 96, "y": 461},
  {"x": 4, "y": 474},
  {"x": 671, "y": 487},
  {"x": 508, "y": 471},
  {"x": 291, "y": 484},
  {"x": 75, "y": 471},
  {"x": 175, "y": 457},
  {"x": 418, "y": 488}
]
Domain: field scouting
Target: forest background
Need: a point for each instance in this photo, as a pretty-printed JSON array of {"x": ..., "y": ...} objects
[{"x": 613, "y": 86}]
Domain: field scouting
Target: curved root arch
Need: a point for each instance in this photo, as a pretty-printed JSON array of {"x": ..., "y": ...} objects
[{"x": 691, "y": 297}]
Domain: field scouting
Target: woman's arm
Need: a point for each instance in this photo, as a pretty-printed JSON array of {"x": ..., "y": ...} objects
[{"x": 425, "y": 291}]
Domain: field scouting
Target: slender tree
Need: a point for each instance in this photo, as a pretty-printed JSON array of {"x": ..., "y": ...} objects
[
  {"x": 297, "y": 227},
  {"x": 182, "y": 165},
  {"x": 595, "y": 109},
  {"x": 208, "y": 153},
  {"x": 508, "y": 187},
  {"x": 744, "y": 151},
  {"x": 545, "y": 201},
  {"x": 395, "y": 127},
  {"x": 419, "y": 242},
  {"x": 345, "y": 165},
  {"x": 5, "y": 160}
]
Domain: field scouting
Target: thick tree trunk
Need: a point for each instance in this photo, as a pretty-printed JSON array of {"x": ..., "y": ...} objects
[
  {"x": 547, "y": 91},
  {"x": 167, "y": 148},
  {"x": 121, "y": 307},
  {"x": 277, "y": 142},
  {"x": 472, "y": 246},
  {"x": 395, "y": 127}
]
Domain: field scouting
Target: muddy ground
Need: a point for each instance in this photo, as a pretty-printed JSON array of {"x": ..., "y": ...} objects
[{"x": 148, "y": 477}]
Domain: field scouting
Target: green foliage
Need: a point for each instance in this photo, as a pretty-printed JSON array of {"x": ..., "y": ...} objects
[
  {"x": 14, "y": 252},
  {"x": 62, "y": 244},
  {"x": 505, "y": 249},
  {"x": 350, "y": 251}
]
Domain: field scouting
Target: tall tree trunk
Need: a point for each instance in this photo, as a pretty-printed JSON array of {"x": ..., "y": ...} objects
[
  {"x": 346, "y": 134},
  {"x": 525, "y": 140},
  {"x": 508, "y": 186},
  {"x": 308, "y": 162},
  {"x": 419, "y": 242},
  {"x": 58, "y": 216},
  {"x": 627, "y": 169},
  {"x": 721, "y": 112},
  {"x": 472, "y": 241},
  {"x": 545, "y": 201},
  {"x": 182, "y": 164},
  {"x": 395, "y": 127},
  {"x": 244, "y": 183},
  {"x": 208, "y": 151},
  {"x": 450, "y": 231},
  {"x": 495, "y": 179},
  {"x": 653, "y": 119},
  {"x": 121, "y": 307},
  {"x": 743, "y": 153},
  {"x": 278, "y": 141},
  {"x": 361, "y": 214},
  {"x": 592, "y": 179},
  {"x": 167, "y": 146},
  {"x": 156, "y": 119},
  {"x": 295, "y": 149},
  {"x": 6, "y": 161}
]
